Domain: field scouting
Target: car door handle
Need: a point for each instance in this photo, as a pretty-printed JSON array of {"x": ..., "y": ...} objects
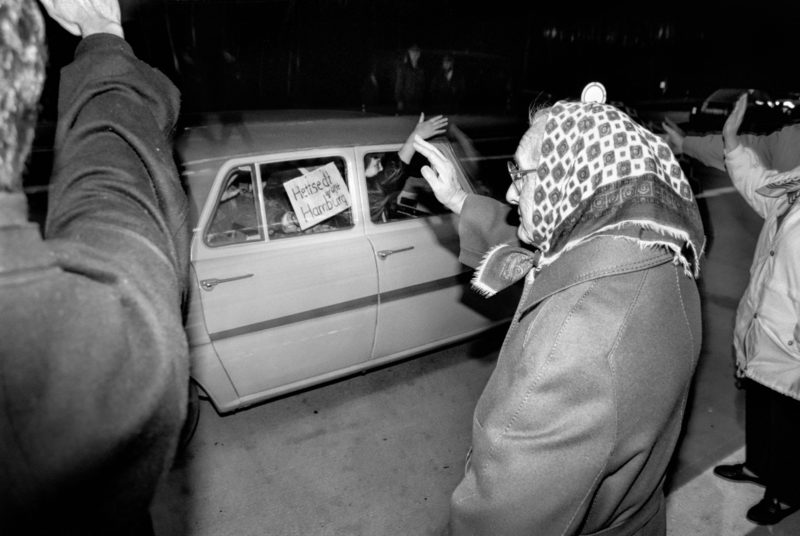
[
  {"x": 209, "y": 284},
  {"x": 386, "y": 252}
]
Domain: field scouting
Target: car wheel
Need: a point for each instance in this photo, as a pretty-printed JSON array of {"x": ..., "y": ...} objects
[{"x": 192, "y": 418}]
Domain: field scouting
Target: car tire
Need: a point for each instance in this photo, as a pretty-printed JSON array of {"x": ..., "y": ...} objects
[{"x": 192, "y": 418}]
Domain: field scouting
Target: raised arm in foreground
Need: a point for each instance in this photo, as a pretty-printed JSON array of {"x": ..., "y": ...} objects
[{"x": 94, "y": 358}]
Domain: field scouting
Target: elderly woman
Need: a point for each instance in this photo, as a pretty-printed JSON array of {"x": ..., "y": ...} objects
[{"x": 576, "y": 426}]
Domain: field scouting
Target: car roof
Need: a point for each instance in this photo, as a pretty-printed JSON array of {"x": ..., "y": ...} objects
[{"x": 227, "y": 135}]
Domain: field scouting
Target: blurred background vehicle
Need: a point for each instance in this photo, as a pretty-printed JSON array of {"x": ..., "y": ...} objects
[{"x": 764, "y": 113}]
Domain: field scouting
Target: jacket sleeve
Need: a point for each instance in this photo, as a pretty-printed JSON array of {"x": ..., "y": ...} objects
[
  {"x": 114, "y": 170},
  {"x": 748, "y": 173},
  {"x": 709, "y": 150},
  {"x": 705, "y": 149},
  {"x": 485, "y": 222},
  {"x": 112, "y": 374}
]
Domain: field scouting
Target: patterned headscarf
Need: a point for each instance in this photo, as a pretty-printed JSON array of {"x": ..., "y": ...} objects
[
  {"x": 22, "y": 70},
  {"x": 601, "y": 174}
]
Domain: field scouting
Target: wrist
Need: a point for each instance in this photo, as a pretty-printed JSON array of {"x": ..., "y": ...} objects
[
  {"x": 456, "y": 202},
  {"x": 102, "y": 26},
  {"x": 730, "y": 146}
]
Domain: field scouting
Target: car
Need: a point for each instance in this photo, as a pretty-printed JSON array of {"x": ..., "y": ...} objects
[
  {"x": 297, "y": 279},
  {"x": 764, "y": 114}
]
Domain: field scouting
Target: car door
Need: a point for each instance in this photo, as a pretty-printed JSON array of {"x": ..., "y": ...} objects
[
  {"x": 424, "y": 296},
  {"x": 283, "y": 305}
]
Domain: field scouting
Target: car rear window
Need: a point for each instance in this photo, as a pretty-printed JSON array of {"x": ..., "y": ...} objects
[
  {"x": 236, "y": 217},
  {"x": 306, "y": 196}
]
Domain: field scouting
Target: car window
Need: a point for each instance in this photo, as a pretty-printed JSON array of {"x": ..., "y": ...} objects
[
  {"x": 306, "y": 196},
  {"x": 235, "y": 218},
  {"x": 397, "y": 191}
]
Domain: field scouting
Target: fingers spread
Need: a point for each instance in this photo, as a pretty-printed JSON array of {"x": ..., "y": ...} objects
[
  {"x": 434, "y": 155},
  {"x": 429, "y": 175}
]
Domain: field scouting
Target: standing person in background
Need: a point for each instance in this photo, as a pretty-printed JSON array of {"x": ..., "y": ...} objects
[
  {"x": 575, "y": 428},
  {"x": 767, "y": 331},
  {"x": 410, "y": 83},
  {"x": 447, "y": 87},
  {"x": 94, "y": 359},
  {"x": 370, "y": 90}
]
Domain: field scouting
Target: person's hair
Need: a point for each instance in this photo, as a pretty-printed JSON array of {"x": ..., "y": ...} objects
[
  {"x": 536, "y": 110},
  {"x": 22, "y": 72}
]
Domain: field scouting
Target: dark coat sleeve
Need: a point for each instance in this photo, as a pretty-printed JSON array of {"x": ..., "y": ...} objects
[
  {"x": 95, "y": 360},
  {"x": 114, "y": 168}
]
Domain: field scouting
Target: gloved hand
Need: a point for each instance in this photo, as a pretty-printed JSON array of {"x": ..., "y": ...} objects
[
  {"x": 441, "y": 175},
  {"x": 86, "y": 17}
]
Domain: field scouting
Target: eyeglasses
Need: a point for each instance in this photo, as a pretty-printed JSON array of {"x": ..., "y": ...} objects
[{"x": 517, "y": 175}]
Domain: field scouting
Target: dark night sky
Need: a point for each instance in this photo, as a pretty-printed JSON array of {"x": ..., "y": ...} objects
[{"x": 314, "y": 53}]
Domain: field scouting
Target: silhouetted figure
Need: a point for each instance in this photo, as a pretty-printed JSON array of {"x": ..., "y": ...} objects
[
  {"x": 409, "y": 88},
  {"x": 370, "y": 89},
  {"x": 447, "y": 88}
]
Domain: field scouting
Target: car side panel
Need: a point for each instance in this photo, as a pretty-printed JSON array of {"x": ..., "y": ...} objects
[
  {"x": 305, "y": 311},
  {"x": 287, "y": 311}
]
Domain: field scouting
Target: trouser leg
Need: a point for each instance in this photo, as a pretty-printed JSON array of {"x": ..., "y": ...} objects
[
  {"x": 783, "y": 474},
  {"x": 757, "y": 427}
]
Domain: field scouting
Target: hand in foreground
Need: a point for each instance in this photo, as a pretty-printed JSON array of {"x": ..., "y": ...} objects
[
  {"x": 86, "y": 17},
  {"x": 675, "y": 136},
  {"x": 432, "y": 127},
  {"x": 441, "y": 177},
  {"x": 730, "y": 130}
]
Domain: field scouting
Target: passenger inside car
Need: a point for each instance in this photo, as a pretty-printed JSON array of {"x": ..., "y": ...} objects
[
  {"x": 235, "y": 219},
  {"x": 384, "y": 183},
  {"x": 386, "y": 173},
  {"x": 396, "y": 190},
  {"x": 282, "y": 222}
]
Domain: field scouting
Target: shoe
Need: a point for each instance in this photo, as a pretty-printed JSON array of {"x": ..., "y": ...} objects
[
  {"x": 736, "y": 473},
  {"x": 770, "y": 511}
]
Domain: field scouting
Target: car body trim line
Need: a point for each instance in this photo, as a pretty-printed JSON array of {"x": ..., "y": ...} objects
[
  {"x": 366, "y": 301},
  {"x": 428, "y": 286},
  {"x": 296, "y": 317}
]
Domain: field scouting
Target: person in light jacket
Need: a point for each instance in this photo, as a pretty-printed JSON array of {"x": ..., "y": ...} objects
[
  {"x": 777, "y": 150},
  {"x": 575, "y": 428},
  {"x": 767, "y": 331}
]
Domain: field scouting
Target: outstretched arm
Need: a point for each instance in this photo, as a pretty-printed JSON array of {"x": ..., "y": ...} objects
[
  {"x": 424, "y": 129},
  {"x": 747, "y": 171},
  {"x": 117, "y": 226},
  {"x": 484, "y": 222},
  {"x": 441, "y": 175}
]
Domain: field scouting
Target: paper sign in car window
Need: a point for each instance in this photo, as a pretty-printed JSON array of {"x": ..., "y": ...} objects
[{"x": 318, "y": 195}]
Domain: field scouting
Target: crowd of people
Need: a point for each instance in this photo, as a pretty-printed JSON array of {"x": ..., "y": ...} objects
[
  {"x": 414, "y": 89},
  {"x": 574, "y": 430}
]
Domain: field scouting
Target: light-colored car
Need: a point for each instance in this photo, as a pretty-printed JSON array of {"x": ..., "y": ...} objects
[{"x": 302, "y": 270}]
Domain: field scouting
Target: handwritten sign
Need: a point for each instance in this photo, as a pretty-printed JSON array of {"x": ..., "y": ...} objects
[{"x": 318, "y": 195}]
